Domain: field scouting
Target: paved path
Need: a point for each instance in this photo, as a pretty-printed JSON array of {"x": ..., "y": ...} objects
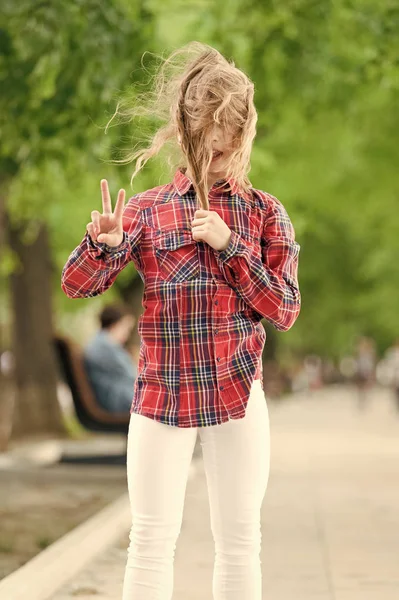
[{"x": 330, "y": 519}]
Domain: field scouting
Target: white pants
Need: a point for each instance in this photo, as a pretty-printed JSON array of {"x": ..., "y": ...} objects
[{"x": 236, "y": 458}]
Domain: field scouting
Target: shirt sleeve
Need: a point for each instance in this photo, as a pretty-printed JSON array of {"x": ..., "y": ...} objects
[
  {"x": 92, "y": 267},
  {"x": 266, "y": 276}
]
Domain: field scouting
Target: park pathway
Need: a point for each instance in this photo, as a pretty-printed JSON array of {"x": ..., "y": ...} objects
[{"x": 330, "y": 519}]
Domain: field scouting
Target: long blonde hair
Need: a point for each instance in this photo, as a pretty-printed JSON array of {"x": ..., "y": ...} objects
[{"x": 195, "y": 89}]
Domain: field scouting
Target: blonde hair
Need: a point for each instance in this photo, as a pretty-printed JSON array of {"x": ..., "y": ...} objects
[{"x": 196, "y": 89}]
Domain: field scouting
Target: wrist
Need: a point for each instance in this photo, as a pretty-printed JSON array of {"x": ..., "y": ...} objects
[
  {"x": 111, "y": 249},
  {"x": 226, "y": 244},
  {"x": 102, "y": 249}
]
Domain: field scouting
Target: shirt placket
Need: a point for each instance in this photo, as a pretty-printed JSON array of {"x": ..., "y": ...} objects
[{"x": 217, "y": 319}]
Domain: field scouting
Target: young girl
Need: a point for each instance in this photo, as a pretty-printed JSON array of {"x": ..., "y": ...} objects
[{"x": 216, "y": 256}]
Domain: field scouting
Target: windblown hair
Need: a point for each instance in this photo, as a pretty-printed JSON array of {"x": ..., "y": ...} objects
[{"x": 196, "y": 89}]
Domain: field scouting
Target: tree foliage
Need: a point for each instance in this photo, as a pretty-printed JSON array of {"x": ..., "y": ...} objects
[{"x": 326, "y": 76}]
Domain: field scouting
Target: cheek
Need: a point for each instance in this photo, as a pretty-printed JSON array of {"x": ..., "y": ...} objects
[{"x": 226, "y": 154}]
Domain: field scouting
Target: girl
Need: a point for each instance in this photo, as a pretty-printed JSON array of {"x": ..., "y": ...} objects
[{"x": 216, "y": 256}]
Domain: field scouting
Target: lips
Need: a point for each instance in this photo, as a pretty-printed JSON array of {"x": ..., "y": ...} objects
[{"x": 216, "y": 154}]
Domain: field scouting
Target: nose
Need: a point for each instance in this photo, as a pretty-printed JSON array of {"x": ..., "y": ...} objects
[{"x": 216, "y": 134}]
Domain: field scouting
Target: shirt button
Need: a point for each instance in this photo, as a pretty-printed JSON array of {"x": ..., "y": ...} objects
[
  {"x": 216, "y": 301},
  {"x": 216, "y": 331},
  {"x": 218, "y": 358},
  {"x": 221, "y": 388}
]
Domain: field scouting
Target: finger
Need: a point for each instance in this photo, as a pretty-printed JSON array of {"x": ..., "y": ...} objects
[
  {"x": 107, "y": 206},
  {"x": 198, "y": 231},
  {"x": 95, "y": 217},
  {"x": 120, "y": 204},
  {"x": 91, "y": 232}
]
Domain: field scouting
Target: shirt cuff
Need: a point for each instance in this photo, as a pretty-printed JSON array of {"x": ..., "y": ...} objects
[
  {"x": 102, "y": 250},
  {"x": 235, "y": 247}
]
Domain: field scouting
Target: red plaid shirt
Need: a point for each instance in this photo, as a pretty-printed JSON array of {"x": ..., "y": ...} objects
[{"x": 201, "y": 336}]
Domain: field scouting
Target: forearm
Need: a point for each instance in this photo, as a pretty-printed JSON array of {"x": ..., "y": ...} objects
[
  {"x": 272, "y": 292},
  {"x": 90, "y": 270}
]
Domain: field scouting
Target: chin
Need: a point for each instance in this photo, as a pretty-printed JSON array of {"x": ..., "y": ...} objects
[{"x": 217, "y": 171}]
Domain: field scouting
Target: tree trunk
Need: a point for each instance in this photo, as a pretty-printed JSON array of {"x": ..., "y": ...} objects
[
  {"x": 37, "y": 411},
  {"x": 7, "y": 387}
]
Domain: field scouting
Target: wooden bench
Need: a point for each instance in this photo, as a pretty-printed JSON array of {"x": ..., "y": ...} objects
[{"x": 89, "y": 413}]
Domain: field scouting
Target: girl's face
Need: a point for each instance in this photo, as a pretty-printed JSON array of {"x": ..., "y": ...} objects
[{"x": 223, "y": 147}]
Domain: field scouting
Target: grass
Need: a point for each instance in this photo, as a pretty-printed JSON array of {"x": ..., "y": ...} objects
[
  {"x": 43, "y": 542},
  {"x": 6, "y": 546}
]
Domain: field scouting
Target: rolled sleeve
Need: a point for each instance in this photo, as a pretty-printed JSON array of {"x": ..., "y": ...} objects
[{"x": 266, "y": 278}]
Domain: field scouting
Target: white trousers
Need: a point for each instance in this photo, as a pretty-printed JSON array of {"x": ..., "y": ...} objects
[{"x": 236, "y": 458}]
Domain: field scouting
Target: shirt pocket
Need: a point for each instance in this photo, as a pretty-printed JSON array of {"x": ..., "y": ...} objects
[{"x": 176, "y": 253}]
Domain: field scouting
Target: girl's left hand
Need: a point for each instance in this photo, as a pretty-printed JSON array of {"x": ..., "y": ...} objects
[{"x": 208, "y": 226}]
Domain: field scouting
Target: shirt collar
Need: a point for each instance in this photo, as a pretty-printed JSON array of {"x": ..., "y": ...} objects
[{"x": 182, "y": 183}]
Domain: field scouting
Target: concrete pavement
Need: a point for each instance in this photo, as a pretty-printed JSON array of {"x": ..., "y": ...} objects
[{"x": 330, "y": 518}]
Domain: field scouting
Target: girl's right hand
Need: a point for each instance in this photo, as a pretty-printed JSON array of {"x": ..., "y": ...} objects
[{"x": 107, "y": 227}]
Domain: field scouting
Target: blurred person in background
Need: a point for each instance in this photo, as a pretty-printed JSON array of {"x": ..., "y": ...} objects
[
  {"x": 134, "y": 350},
  {"x": 313, "y": 369},
  {"x": 365, "y": 367},
  {"x": 330, "y": 373},
  {"x": 389, "y": 369},
  {"x": 108, "y": 363}
]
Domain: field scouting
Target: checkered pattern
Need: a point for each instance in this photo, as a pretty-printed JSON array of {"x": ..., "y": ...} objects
[{"x": 201, "y": 336}]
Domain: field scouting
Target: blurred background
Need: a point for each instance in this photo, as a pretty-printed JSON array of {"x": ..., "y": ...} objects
[{"x": 326, "y": 77}]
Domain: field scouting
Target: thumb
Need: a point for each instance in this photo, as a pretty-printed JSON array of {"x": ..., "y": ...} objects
[{"x": 101, "y": 239}]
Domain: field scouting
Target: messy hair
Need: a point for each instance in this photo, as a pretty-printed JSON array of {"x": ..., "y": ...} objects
[{"x": 194, "y": 90}]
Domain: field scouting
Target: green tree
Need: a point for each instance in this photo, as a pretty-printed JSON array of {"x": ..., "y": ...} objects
[
  {"x": 326, "y": 79},
  {"x": 60, "y": 67}
]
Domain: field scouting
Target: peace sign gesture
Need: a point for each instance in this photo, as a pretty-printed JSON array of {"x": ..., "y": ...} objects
[{"x": 107, "y": 227}]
